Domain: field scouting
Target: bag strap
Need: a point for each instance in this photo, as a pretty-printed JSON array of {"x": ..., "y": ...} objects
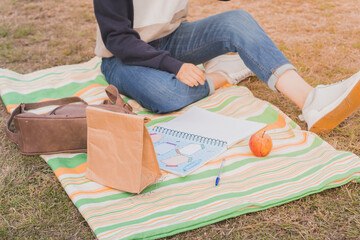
[
  {"x": 14, "y": 137},
  {"x": 115, "y": 97},
  {"x": 61, "y": 101}
]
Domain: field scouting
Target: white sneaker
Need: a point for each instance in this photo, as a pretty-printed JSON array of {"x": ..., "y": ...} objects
[
  {"x": 328, "y": 105},
  {"x": 230, "y": 66}
]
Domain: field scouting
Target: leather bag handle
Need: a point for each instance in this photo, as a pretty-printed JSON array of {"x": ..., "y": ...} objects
[
  {"x": 14, "y": 137},
  {"x": 115, "y": 97},
  {"x": 61, "y": 101}
]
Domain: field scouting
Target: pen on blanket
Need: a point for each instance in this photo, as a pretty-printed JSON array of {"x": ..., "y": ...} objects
[{"x": 220, "y": 170}]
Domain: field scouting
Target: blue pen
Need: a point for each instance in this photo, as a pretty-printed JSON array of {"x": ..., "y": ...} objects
[{"x": 218, "y": 177}]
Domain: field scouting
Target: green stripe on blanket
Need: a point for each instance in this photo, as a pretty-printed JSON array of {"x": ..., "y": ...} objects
[{"x": 300, "y": 163}]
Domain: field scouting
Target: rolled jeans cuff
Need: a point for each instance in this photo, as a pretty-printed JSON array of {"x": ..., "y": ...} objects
[
  {"x": 210, "y": 84},
  {"x": 277, "y": 73}
]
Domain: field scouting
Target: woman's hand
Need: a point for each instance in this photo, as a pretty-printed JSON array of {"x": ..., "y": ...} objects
[{"x": 191, "y": 75}]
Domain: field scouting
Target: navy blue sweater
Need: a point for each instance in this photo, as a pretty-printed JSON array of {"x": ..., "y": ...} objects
[{"x": 115, "y": 19}]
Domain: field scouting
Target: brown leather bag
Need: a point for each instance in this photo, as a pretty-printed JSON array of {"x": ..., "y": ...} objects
[{"x": 63, "y": 130}]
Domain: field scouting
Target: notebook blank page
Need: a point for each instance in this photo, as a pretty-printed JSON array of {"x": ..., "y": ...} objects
[{"x": 201, "y": 122}]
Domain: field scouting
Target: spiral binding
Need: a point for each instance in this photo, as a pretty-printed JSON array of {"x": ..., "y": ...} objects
[{"x": 191, "y": 137}]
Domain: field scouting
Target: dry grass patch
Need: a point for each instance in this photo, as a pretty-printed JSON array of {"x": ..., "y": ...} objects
[{"x": 321, "y": 38}]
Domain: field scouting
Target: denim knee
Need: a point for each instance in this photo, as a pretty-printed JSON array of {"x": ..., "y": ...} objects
[
  {"x": 156, "y": 90},
  {"x": 238, "y": 14},
  {"x": 168, "y": 99},
  {"x": 236, "y": 18},
  {"x": 237, "y": 22}
]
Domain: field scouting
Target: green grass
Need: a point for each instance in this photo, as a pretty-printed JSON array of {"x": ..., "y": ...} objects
[
  {"x": 23, "y": 31},
  {"x": 356, "y": 45},
  {"x": 40, "y": 34},
  {"x": 4, "y": 31}
]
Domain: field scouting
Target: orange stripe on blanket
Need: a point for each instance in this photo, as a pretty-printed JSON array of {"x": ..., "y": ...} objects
[
  {"x": 76, "y": 183},
  {"x": 84, "y": 90},
  {"x": 305, "y": 134},
  {"x": 218, "y": 160},
  {"x": 85, "y": 75},
  {"x": 101, "y": 190},
  {"x": 220, "y": 89},
  {"x": 294, "y": 191},
  {"x": 11, "y": 107},
  {"x": 78, "y": 170},
  {"x": 280, "y": 123},
  {"x": 186, "y": 216},
  {"x": 208, "y": 206},
  {"x": 157, "y": 219},
  {"x": 298, "y": 182},
  {"x": 218, "y": 103},
  {"x": 98, "y": 99},
  {"x": 341, "y": 180},
  {"x": 159, "y": 196},
  {"x": 97, "y": 92}
]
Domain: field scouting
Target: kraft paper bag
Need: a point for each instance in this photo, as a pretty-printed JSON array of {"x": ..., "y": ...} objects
[{"x": 120, "y": 152}]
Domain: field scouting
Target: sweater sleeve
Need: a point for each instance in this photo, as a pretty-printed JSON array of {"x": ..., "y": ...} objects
[{"x": 115, "y": 19}]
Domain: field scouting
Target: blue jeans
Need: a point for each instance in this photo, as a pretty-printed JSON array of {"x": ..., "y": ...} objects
[{"x": 197, "y": 42}]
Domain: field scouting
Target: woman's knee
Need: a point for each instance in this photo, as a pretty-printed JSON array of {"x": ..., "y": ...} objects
[
  {"x": 240, "y": 29},
  {"x": 164, "y": 100},
  {"x": 236, "y": 17},
  {"x": 236, "y": 22}
]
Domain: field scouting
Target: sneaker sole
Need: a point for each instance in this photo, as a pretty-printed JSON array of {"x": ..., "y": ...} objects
[{"x": 349, "y": 105}]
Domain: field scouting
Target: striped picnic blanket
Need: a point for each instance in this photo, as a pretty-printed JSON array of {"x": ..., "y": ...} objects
[{"x": 300, "y": 163}]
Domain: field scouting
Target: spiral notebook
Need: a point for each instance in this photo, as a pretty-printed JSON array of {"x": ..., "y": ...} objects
[{"x": 187, "y": 142}]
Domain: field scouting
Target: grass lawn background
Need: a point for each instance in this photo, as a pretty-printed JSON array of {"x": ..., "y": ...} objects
[{"x": 321, "y": 38}]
